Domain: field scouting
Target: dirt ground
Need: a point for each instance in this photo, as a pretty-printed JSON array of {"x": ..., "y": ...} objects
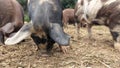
[{"x": 95, "y": 53}]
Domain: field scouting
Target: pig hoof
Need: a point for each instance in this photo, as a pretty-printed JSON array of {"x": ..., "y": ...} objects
[{"x": 117, "y": 46}]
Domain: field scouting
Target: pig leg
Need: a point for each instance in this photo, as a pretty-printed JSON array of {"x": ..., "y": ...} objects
[
  {"x": 6, "y": 29},
  {"x": 116, "y": 38},
  {"x": 115, "y": 31},
  {"x": 65, "y": 21},
  {"x": 89, "y": 26},
  {"x": 1, "y": 38},
  {"x": 77, "y": 28}
]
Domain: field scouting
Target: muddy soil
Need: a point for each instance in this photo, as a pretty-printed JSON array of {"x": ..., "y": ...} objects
[{"x": 97, "y": 52}]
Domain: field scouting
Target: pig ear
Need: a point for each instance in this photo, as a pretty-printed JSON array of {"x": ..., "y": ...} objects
[
  {"x": 8, "y": 28},
  {"x": 24, "y": 32},
  {"x": 57, "y": 34}
]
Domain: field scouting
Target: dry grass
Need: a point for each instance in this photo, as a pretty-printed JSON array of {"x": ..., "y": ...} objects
[{"x": 95, "y": 53}]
